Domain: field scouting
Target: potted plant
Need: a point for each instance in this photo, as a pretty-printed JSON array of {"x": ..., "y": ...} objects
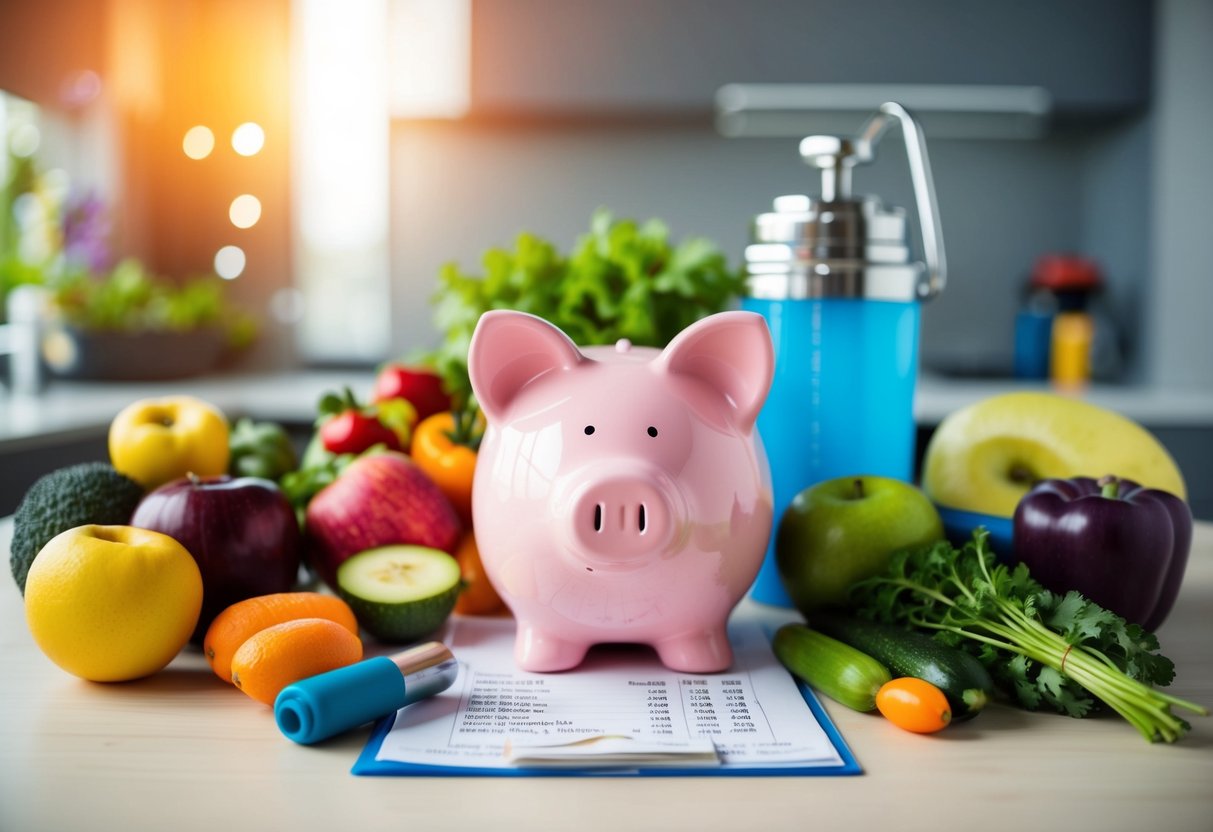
[
  {"x": 128, "y": 324},
  {"x": 107, "y": 321}
]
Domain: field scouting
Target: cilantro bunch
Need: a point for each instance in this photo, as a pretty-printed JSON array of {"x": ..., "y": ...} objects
[
  {"x": 1060, "y": 651},
  {"x": 621, "y": 280}
]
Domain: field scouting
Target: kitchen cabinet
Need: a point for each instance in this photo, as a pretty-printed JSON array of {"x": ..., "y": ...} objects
[{"x": 666, "y": 59}]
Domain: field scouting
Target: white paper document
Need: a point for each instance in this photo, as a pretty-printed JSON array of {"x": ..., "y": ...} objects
[{"x": 621, "y": 701}]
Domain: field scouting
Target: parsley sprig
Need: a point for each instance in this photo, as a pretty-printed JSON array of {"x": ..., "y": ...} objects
[{"x": 1047, "y": 649}]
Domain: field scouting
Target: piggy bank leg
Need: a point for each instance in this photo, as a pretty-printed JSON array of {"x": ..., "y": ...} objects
[
  {"x": 541, "y": 651},
  {"x": 703, "y": 651}
]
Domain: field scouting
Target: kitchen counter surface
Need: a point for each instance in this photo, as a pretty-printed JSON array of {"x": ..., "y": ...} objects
[
  {"x": 67, "y": 409},
  {"x": 182, "y": 751}
]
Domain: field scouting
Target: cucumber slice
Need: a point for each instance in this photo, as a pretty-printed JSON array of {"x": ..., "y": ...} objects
[{"x": 400, "y": 593}]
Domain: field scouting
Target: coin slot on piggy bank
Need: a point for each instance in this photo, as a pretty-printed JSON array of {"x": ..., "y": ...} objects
[{"x": 621, "y": 493}]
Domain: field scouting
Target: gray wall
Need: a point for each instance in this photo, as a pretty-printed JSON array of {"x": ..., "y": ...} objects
[
  {"x": 1180, "y": 339},
  {"x": 460, "y": 189},
  {"x": 1123, "y": 182}
]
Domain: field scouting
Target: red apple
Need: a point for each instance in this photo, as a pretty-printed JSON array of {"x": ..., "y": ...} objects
[
  {"x": 421, "y": 387},
  {"x": 242, "y": 532},
  {"x": 378, "y": 500}
]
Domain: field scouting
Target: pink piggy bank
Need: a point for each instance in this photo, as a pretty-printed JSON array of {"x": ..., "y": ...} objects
[{"x": 621, "y": 493}]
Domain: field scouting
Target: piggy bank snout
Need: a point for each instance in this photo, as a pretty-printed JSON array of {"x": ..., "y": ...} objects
[{"x": 620, "y": 519}]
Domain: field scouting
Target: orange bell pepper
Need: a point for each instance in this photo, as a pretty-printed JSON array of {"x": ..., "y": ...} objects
[{"x": 444, "y": 447}]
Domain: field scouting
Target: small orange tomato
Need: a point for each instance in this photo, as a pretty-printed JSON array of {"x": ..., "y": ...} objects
[{"x": 914, "y": 705}]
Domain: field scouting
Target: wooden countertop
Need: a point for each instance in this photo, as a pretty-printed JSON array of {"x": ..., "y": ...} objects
[{"x": 183, "y": 751}]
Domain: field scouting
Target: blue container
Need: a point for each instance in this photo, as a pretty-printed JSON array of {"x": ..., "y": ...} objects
[
  {"x": 1033, "y": 341},
  {"x": 958, "y": 527},
  {"x": 842, "y": 400},
  {"x": 834, "y": 279}
]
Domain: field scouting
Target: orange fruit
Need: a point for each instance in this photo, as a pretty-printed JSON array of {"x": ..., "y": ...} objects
[
  {"x": 477, "y": 596},
  {"x": 285, "y": 653},
  {"x": 244, "y": 619}
]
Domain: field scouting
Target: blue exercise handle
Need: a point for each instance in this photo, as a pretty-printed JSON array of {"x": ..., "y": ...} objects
[{"x": 323, "y": 706}]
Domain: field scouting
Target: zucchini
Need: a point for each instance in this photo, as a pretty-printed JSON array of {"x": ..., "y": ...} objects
[
  {"x": 963, "y": 679},
  {"x": 841, "y": 672}
]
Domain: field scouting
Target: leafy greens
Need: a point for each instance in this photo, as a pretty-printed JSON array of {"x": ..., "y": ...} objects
[
  {"x": 622, "y": 280},
  {"x": 1063, "y": 652},
  {"x": 131, "y": 299}
]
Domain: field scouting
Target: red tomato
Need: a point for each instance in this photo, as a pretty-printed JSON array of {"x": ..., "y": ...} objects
[
  {"x": 421, "y": 387},
  {"x": 351, "y": 432}
]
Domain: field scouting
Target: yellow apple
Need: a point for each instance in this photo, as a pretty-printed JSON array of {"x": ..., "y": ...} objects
[
  {"x": 154, "y": 441},
  {"x": 984, "y": 457},
  {"x": 112, "y": 603}
]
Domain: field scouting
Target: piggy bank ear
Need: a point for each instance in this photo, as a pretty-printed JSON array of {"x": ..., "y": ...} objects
[
  {"x": 509, "y": 350},
  {"x": 732, "y": 353}
]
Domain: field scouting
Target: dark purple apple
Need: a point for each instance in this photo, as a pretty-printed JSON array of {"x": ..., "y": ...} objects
[
  {"x": 378, "y": 500},
  {"x": 242, "y": 532}
]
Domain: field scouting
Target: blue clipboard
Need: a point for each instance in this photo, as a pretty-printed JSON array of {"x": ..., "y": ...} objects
[{"x": 367, "y": 766}]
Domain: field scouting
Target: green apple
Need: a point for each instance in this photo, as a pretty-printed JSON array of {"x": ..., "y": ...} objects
[
  {"x": 985, "y": 457},
  {"x": 841, "y": 531}
]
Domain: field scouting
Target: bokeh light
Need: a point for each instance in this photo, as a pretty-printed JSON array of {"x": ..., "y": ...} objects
[
  {"x": 24, "y": 140},
  {"x": 245, "y": 211},
  {"x": 80, "y": 88},
  {"x": 199, "y": 142},
  {"x": 229, "y": 262},
  {"x": 287, "y": 306},
  {"x": 248, "y": 139}
]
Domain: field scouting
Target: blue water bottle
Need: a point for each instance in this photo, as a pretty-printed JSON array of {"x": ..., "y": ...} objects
[{"x": 833, "y": 277}]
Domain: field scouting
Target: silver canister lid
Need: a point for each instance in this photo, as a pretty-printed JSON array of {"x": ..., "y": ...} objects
[
  {"x": 807, "y": 248},
  {"x": 837, "y": 245}
]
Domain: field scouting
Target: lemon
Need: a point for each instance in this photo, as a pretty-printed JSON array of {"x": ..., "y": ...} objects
[{"x": 112, "y": 603}]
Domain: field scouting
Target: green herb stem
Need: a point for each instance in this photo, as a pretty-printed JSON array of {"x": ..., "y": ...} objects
[
  {"x": 968, "y": 594},
  {"x": 922, "y": 590},
  {"x": 1123, "y": 694},
  {"x": 1142, "y": 706},
  {"x": 969, "y": 634},
  {"x": 1134, "y": 701}
]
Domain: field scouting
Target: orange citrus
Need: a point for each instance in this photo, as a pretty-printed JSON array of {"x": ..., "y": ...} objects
[
  {"x": 244, "y": 619},
  {"x": 285, "y": 653}
]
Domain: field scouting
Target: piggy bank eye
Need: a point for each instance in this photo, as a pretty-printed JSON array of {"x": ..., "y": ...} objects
[
  {"x": 652, "y": 431},
  {"x": 589, "y": 430}
]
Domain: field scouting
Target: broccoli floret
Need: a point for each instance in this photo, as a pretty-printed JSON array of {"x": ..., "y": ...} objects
[{"x": 92, "y": 492}]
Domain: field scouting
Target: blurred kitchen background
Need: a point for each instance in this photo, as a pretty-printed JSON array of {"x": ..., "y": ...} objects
[{"x": 325, "y": 158}]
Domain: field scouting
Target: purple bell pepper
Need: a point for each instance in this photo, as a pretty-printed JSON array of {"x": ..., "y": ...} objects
[{"x": 1122, "y": 546}]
